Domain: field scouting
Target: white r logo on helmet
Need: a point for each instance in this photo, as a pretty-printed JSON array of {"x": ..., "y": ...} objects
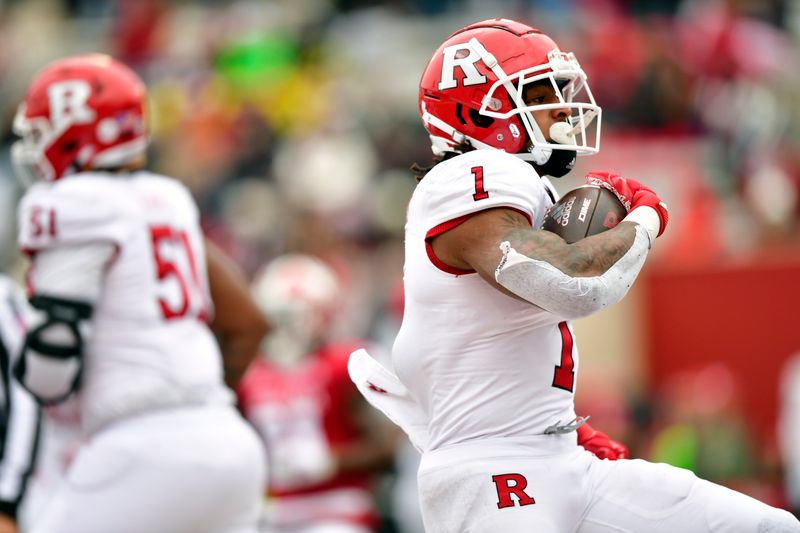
[
  {"x": 466, "y": 62},
  {"x": 68, "y": 103}
]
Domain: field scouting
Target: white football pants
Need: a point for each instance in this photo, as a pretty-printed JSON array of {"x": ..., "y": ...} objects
[
  {"x": 548, "y": 484},
  {"x": 180, "y": 470},
  {"x": 323, "y": 527}
]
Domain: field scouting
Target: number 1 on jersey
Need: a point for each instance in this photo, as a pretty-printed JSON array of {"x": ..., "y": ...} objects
[
  {"x": 480, "y": 192},
  {"x": 564, "y": 375}
]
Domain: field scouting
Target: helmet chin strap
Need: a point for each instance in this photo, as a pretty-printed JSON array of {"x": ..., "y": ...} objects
[
  {"x": 550, "y": 162},
  {"x": 558, "y": 164},
  {"x": 545, "y": 160}
]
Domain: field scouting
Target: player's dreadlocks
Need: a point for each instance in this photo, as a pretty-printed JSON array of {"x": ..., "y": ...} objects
[{"x": 420, "y": 171}]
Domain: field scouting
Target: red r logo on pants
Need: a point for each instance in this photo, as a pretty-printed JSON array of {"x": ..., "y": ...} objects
[{"x": 508, "y": 484}]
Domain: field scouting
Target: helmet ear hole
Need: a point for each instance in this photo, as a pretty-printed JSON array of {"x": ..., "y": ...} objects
[
  {"x": 69, "y": 146},
  {"x": 460, "y": 114},
  {"x": 481, "y": 121},
  {"x": 478, "y": 120}
]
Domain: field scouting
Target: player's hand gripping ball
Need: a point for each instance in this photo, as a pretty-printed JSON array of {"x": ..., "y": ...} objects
[
  {"x": 587, "y": 210},
  {"x": 600, "y": 444},
  {"x": 632, "y": 194}
]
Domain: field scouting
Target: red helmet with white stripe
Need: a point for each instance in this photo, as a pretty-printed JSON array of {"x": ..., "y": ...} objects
[
  {"x": 298, "y": 294},
  {"x": 80, "y": 112},
  {"x": 472, "y": 91}
]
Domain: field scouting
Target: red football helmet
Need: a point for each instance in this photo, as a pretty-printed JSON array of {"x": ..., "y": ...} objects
[
  {"x": 472, "y": 90},
  {"x": 80, "y": 112},
  {"x": 298, "y": 294}
]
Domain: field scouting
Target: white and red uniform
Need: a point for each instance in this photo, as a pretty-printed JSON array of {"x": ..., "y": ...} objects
[
  {"x": 456, "y": 326},
  {"x": 19, "y": 428},
  {"x": 162, "y": 431},
  {"x": 304, "y": 410},
  {"x": 492, "y": 373}
]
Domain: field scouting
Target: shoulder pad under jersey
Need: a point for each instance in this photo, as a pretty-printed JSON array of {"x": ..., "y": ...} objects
[{"x": 480, "y": 180}]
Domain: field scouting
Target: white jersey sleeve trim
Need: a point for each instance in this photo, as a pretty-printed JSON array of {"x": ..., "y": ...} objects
[
  {"x": 444, "y": 228},
  {"x": 469, "y": 184}
]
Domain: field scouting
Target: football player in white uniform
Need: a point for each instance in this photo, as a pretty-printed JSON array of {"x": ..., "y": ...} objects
[
  {"x": 19, "y": 421},
  {"x": 485, "y": 363},
  {"x": 123, "y": 284}
]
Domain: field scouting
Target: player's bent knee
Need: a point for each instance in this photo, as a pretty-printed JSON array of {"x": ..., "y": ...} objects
[
  {"x": 728, "y": 510},
  {"x": 778, "y": 521}
]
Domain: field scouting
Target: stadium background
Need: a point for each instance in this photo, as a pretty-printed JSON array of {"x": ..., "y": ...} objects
[{"x": 294, "y": 123}]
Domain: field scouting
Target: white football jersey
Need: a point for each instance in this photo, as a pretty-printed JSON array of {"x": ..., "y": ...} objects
[
  {"x": 149, "y": 345},
  {"x": 480, "y": 363}
]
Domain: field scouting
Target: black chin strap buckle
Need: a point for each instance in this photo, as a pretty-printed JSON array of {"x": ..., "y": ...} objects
[{"x": 558, "y": 164}]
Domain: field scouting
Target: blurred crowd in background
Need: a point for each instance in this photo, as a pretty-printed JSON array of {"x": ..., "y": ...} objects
[{"x": 294, "y": 123}]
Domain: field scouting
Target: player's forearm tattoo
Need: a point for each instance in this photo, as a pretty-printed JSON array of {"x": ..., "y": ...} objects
[{"x": 588, "y": 257}]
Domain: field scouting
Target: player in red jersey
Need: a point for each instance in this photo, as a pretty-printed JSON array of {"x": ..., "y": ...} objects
[{"x": 323, "y": 444}]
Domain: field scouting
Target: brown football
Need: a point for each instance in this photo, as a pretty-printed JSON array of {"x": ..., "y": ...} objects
[{"x": 587, "y": 210}]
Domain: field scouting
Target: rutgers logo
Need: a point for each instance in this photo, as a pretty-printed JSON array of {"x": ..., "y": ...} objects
[
  {"x": 508, "y": 484},
  {"x": 68, "y": 103},
  {"x": 465, "y": 58}
]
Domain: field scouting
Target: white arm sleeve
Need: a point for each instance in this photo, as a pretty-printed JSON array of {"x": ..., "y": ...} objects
[
  {"x": 569, "y": 297},
  {"x": 72, "y": 272}
]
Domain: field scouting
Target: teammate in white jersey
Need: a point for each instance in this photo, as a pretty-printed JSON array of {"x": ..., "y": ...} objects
[
  {"x": 485, "y": 363},
  {"x": 123, "y": 284},
  {"x": 19, "y": 421}
]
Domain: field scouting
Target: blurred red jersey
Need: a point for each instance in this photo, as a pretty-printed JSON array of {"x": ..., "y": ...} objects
[{"x": 304, "y": 415}]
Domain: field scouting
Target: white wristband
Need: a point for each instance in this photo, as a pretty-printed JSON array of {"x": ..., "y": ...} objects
[{"x": 648, "y": 218}]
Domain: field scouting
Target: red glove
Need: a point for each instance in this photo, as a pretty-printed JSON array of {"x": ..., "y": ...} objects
[
  {"x": 600, "y": 444},
  {"x": 631, "y": 193}
]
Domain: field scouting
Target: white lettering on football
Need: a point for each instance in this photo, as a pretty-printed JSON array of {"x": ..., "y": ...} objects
[
  {"x": 563, "y": 216},
  {"x": 584, "y": 209}
]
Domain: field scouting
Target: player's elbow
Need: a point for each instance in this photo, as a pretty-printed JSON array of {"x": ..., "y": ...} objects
[
  {"x": 51, "y": 362},
  {"x": 565, "y": 295},
  {"x": 581, "y": 297},
  {"x": 252, "y": 330}
]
